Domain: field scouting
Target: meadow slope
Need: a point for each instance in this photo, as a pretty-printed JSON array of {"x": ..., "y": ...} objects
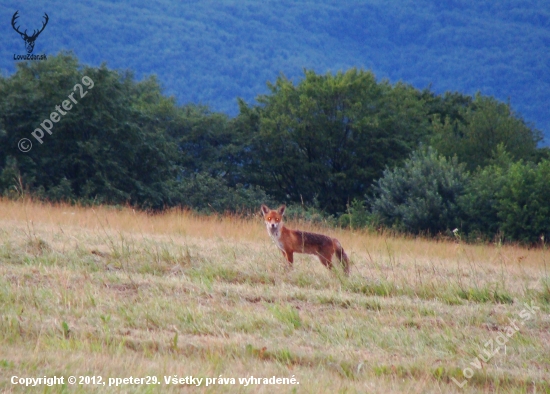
[{"x": 118, "y": 293}]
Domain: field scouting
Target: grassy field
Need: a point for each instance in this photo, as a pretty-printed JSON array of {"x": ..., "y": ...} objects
[{"x": 117, "y": 293}]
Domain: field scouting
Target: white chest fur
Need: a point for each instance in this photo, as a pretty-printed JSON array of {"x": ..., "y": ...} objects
[{"x": 276, "y": 237}]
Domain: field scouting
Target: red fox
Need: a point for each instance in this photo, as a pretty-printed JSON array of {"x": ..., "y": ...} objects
[{"x": 294, "y": 241}]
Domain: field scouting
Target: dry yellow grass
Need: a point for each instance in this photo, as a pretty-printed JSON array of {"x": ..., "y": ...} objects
[{"x": 118, "y": 293}]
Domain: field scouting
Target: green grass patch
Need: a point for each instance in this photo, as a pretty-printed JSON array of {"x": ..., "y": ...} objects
[{"x": 486, "y": 294}]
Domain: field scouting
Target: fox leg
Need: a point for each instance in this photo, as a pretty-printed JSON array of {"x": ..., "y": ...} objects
[
  {"x": 326, "y": 259},
  {"x": 289, "y": 256}
]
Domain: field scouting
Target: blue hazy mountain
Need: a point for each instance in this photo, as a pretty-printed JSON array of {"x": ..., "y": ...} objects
[{"x": 212, "y": 52}]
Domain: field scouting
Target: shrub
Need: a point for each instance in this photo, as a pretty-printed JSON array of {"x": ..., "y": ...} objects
[
  {"x": 207, "y": 194},
  {"x": 479, "y": 203},
  {"x": 357, "y": 215},
  {"x": 421, "y": 196},
  {"x": 523, "y": 202}
]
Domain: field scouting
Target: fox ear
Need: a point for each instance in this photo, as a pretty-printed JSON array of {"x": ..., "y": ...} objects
[
  {"x": 265, "y": 209},
  {"x": 281, "y": 209}
]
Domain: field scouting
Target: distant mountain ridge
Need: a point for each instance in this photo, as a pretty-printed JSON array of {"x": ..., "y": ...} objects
[{"x": 212, "y": 52}]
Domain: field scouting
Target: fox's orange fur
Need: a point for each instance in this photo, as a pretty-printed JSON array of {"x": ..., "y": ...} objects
[{"x": 295, "y": 241}]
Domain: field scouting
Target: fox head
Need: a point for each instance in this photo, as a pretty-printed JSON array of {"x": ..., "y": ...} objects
[{"x": 273, "y": 219}]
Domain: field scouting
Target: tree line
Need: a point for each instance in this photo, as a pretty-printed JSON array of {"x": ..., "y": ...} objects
[{"x": 354, "y": 150}]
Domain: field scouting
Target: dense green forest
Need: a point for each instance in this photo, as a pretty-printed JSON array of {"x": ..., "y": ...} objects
[
  {"x": 346, "y": 147},
  {"x": 211, "y": 52}
]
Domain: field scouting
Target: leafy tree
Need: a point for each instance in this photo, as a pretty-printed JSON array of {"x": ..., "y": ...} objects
[
  {"x": 422, "y": 196},
  {"x": 207, "y": 143},
  {"x": 523, "y": 204},
  {"x": 450, "y": 106},
  {"x": 356, "y": 216},
  {"x": 205, "y": 193},
  {"x": 508, "y": 199},
  {"x": 479, "y": 128},
  {"x": 10, "y": 180},
  {"x": 329, "y": 136},
  {"x": 123, "y": 142},
  {"x": 480, "y": 201},
  {"x": 109, "y": 147}
]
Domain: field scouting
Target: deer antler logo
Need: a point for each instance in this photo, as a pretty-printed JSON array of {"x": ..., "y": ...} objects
[{"x": 29, "y": 40}]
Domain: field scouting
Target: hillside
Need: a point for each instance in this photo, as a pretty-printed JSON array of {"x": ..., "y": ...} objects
[
  {"x": 112, "y": 294},
  {"x": 212, "y": 52}
]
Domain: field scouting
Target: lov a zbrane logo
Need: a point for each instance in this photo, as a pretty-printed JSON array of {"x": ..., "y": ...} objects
[{"x": 29, "y": 40}]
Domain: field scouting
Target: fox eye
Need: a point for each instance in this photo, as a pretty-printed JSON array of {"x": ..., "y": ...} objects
[
  {"x": 268, "y": 218},
  {"x": 277, "y": 219}
]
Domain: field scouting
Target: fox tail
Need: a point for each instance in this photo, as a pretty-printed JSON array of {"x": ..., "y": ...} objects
[{"x": 343, "y": 257}]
